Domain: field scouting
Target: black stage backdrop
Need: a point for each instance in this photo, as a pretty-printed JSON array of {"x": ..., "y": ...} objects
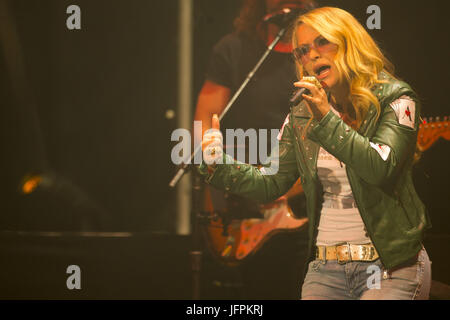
[{"x": 101, "y": 94}]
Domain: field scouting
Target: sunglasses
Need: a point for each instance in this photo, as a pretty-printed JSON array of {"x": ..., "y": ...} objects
[{"x": 320, "y": 44}]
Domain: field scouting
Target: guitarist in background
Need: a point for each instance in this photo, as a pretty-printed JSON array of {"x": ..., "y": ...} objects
[{"x": 272, "y": 273}]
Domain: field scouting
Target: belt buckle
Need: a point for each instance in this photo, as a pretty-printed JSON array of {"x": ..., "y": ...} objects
[{"x": 349, "y": 255}]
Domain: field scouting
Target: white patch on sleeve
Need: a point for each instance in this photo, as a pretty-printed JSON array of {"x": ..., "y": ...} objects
[
  {"x": 405, "y": 109},
  {"x": 382, "y": 150},
  {"x": 286, "y": 121}
]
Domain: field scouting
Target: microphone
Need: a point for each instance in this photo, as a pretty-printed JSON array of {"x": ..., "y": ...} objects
[
  {"x": 282, "y": 17},
  {"x": 297, "y": 95}
]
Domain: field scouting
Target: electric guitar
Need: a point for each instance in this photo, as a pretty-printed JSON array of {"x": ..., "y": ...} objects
[
  {"x": 430, "y": 130},
  {"x": 236, "y": 240},
  {"x": 233, "y": 242}
]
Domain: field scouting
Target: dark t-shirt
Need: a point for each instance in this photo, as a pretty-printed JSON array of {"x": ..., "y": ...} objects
[{"x": 264, "y": 103}]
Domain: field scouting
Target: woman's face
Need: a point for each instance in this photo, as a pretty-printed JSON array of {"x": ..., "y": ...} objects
[{"x": 317, "y": 54}]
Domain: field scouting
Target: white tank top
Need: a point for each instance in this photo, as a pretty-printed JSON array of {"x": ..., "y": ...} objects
[{"x": 340, "y": 220}]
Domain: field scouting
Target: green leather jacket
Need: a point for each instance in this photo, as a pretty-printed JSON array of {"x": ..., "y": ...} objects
[{"x": 394, "y": 216}]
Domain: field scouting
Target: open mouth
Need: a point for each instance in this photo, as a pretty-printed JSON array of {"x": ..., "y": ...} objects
[{"x": 322, "y": 71}]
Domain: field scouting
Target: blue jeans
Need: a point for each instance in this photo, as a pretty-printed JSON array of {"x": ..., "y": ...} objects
[{"x": 367, "y": 280}]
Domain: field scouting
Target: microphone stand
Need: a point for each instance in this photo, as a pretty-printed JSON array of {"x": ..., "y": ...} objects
[{"x": 196, "y": 252}]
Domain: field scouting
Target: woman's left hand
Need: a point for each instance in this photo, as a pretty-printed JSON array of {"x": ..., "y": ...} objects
[{"x": 317, "y": 101}]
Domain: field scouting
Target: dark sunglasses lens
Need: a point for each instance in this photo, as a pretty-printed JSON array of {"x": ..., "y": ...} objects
[{"x": 321, "y": 42}]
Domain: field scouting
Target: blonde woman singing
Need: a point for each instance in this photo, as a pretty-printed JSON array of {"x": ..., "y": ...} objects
[{"x": 351, "y": 141}]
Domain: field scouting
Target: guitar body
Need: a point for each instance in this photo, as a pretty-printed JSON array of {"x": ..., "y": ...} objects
[{"x": 234, "y": 241}]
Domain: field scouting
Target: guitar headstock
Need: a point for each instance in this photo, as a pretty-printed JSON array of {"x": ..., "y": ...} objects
[{"x": 430, "y": 130}]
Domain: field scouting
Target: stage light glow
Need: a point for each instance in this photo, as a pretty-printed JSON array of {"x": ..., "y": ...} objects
[{"x": 31, "y": 184}]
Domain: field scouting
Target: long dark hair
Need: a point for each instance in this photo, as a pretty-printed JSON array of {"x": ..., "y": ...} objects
[{"x": 252, "y": 12}]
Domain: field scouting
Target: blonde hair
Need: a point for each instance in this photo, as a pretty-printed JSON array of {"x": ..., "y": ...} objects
[{"x": 359, "y": 60}]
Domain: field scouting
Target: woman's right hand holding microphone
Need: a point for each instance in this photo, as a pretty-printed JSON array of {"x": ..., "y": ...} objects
[{"x": 212, "y": 144}]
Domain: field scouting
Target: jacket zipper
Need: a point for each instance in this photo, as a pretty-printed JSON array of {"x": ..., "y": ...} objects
[
  {"x": 316, "y": 183},
  {"x": 302, "y": 152},
  {"x": 297, "y": 143}
]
